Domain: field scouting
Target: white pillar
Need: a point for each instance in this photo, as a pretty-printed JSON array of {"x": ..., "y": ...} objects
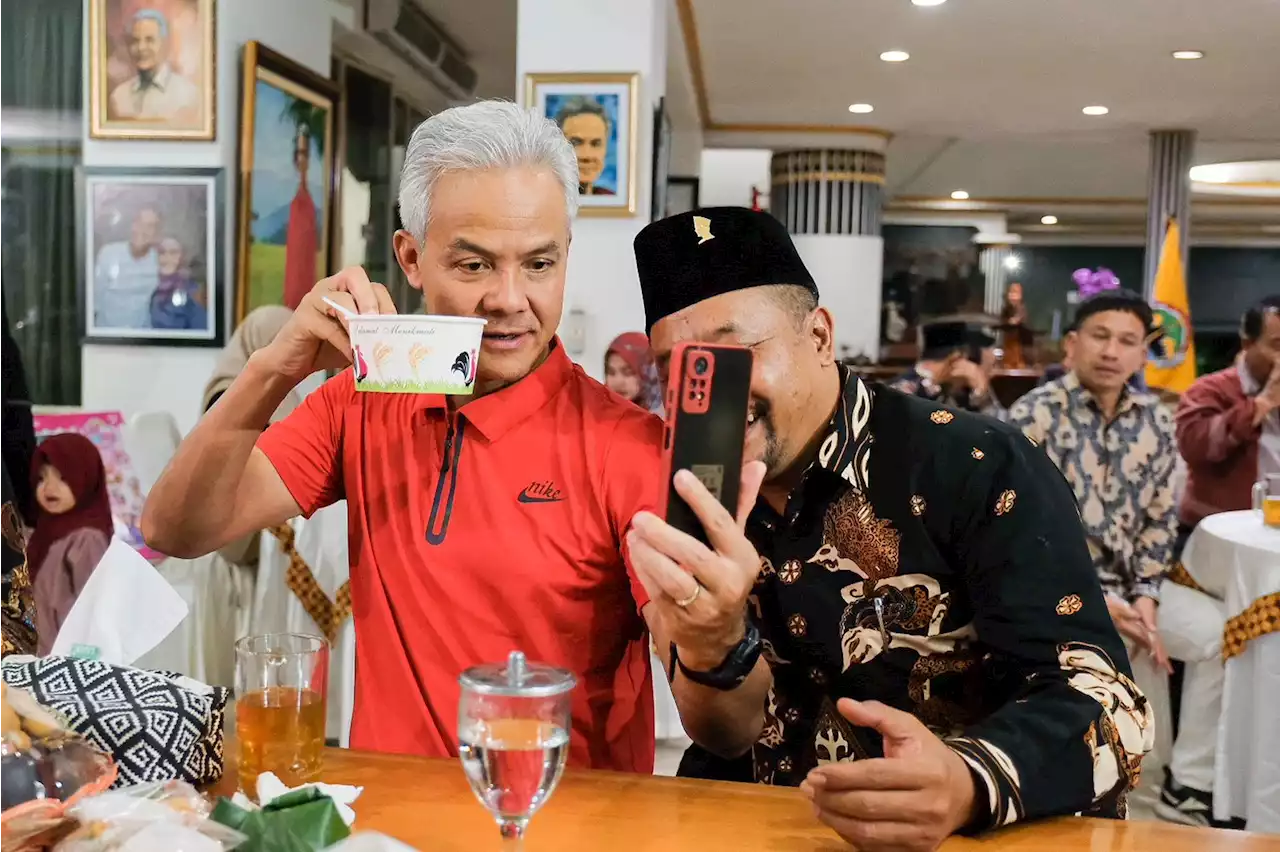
[
  {"x": 605, "y": 37},
  {"x": 991, "y": 261},
  {"x": 831, "y": 202}
]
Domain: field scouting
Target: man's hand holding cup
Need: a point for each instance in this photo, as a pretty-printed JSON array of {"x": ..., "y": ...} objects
[
  {"x": 699, "y": 592},
  {"x": 315, "y": 338}
]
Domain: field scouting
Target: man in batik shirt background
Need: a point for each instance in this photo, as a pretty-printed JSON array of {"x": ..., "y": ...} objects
[{"x": 1115, "y": 445}]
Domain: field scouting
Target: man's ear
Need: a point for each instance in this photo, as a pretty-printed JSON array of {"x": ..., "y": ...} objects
[
  {"x": 821, "y": 330},
  {"x": 408, "y": 255}
]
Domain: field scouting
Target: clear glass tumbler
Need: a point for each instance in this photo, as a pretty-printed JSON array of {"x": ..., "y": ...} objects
[
  {"x": 281, "y": 682},
  {"x": 513, "y": 736}
]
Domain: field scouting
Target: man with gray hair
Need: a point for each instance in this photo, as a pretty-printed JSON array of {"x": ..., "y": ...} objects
[
  {"x": 480, "y": 524},
  {"x": 586, "y": 126},
  {"x": 155, "y": 92}
]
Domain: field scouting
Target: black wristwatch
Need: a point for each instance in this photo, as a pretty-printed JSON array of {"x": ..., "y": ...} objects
[{"x": 732, "y": 671}]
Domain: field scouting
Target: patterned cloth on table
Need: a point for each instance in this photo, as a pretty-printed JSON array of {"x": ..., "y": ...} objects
[
  {"x": 995, "y": 632},
  {"x": 1122, "y": 475}
]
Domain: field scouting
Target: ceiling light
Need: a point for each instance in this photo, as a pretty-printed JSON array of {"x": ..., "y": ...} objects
[
  {"x": 1095, "y": 110},
  {"x": 1012, "y": 263},
  {"x": 895, "y": 56},
  {"x": 861, "y": 108},
  {"x": 928, "y": 2},
  {"x": 960, "y": 195},
  {"x": 1188, "y": 54},
  {"x": 1048, "y": 220}
]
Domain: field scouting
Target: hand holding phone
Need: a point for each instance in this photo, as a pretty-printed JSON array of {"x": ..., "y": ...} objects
[{"x": 708, "y": 395}]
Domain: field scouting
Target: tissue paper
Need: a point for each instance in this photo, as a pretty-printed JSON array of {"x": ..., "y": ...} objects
[{"x": 103, "y": 624}]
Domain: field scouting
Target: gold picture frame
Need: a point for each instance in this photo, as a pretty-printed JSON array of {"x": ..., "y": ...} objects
[
  {"x": 283, "y": 242},
  {"x": 153, "y": 70},
  {"x": 601, "y": 114}
]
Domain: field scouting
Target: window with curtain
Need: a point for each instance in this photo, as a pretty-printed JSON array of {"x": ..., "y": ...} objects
[{"x": 41, "y": 74}]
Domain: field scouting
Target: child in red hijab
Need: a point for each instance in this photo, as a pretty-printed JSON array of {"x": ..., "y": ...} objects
[
  {"x": 629, "y": 371},
  {"x": 73, "y": 527}
]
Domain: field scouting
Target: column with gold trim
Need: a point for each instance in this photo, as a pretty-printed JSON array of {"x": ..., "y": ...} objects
[{"x": 831, "y": 201}]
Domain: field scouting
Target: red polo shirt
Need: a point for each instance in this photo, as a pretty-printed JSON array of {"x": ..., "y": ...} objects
[{"x": 472, "y": 534}]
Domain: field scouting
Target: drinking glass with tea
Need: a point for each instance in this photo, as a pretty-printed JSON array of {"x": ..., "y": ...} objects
[
  {"x": 513, "y": 736},
  {"x": 281, "y": 682},
  {"x": 1266, "y": 499}
]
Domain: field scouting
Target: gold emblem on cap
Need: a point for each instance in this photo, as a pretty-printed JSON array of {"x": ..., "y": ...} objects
[{"x": 702, "y": 227}]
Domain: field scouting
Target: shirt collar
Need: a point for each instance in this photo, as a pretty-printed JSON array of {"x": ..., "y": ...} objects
[
  {"x": 845, "y": 449},
  {"x": 159, "y": 80},
  {"x": 496, "y": 413},
  {"x": 1081, "y": 395},
  {"x": 1247, "y": 384}
]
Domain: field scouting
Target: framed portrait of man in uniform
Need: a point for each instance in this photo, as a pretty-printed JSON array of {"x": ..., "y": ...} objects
[
  {"x": 597, "y": 113},
  {"x": 151, "y": 69}
]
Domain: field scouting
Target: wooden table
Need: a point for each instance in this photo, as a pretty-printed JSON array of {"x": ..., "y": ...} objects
[{"x": 427, "y": 804}]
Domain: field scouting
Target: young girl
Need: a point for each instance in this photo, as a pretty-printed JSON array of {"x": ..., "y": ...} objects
[
  {"x": 73, "y": 527},
  {"x": 630, "y": 373}
]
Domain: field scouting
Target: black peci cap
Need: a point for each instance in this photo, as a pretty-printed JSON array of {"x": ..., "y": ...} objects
[{"x": 693, "y": 256}]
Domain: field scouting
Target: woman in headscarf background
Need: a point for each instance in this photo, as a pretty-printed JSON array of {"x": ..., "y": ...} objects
[
  {"x": 73, "y": 527},
  {"x": 257, "y": 330},
  {"x": 629, "y": 371}
]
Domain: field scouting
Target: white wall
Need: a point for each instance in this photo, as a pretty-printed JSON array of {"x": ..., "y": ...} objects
[
  {"x": 847, "y": 270},
  {"x": 146, "y": 378},
  {"x": 727, "y": 175},
  {"x": 602, "y": 36}
]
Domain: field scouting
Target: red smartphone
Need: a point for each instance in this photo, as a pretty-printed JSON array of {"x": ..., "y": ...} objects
[{"x": 708, "y": 395}]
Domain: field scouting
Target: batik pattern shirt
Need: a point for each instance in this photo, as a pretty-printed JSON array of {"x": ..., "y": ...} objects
[
  {"x": 995, "y": 632},
  {"x": 1121, "y": 472}
]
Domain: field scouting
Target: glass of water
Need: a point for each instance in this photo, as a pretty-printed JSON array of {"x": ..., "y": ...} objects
[{"x": 513, "y": 736}]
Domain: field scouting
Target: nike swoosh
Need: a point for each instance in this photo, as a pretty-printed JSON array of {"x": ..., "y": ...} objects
[{"x": 526, "y": 497}]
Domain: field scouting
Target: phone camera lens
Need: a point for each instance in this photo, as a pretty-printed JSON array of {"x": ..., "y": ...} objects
[{"x": 701, "y": 365}]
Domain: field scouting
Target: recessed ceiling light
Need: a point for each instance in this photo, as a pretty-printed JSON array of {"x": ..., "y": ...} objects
[
  {"x": 928, "y": 2},
  {"x": 895, "y": 56},
  {"x": 1095, "y": 110},
  {"x": 1048, "y": 220},
  {"x": 1188, "y": 54},
  {"x": 861, "y": 108},
  {"x": 960, "y": 195}
]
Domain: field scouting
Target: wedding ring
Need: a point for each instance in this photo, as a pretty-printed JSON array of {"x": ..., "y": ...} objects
[{"x": 697, "y": 590}]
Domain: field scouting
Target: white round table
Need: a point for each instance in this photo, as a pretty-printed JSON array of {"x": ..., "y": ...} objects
[{"x": 1237, "y": 558}]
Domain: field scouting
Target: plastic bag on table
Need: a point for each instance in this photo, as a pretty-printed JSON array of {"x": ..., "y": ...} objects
[{"x": 168, "y": 816}]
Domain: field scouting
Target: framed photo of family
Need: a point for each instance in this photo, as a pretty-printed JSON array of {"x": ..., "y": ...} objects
[
  {"x": 288, "y": 180},
  {"x": 152, "y": 69},
  {"x": 597, "y": 113},
  {"x": 152, "y": 249}
]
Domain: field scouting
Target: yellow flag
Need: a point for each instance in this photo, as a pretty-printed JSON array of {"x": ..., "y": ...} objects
[{"x": 1172, "y": 362}]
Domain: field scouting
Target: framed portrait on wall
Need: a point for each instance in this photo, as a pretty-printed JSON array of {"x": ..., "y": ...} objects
[
  {"x": 597, "y": 113},
  {"x": 661, "y": 160},
  {"x": 152, "y": 69},
  {"x": 682, "y": 195},
  {"x": 151, "y": 248},
  {"x": 288, "y": 180}
]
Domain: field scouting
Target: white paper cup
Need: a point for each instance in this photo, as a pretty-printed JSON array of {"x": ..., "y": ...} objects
[{"x": 415, "y": 353}]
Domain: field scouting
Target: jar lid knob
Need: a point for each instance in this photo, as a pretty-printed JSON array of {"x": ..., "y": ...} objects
[{"x": 516, "y": 669}]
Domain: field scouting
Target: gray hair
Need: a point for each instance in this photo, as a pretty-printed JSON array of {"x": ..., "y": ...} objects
[
  {"x": 152, "y": 15},
  {"x": 476, "y": 137},
  {"x": 582, "y": 105}
]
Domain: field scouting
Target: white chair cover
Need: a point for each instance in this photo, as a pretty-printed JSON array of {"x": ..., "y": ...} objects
[
  {"x": 322, "y": 542},
  {"x": 151, "y": 437},
  {"x": 203, "y": 645}
]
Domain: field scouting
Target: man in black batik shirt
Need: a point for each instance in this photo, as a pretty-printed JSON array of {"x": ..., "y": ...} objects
[{"x": 906, "y": 623}]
